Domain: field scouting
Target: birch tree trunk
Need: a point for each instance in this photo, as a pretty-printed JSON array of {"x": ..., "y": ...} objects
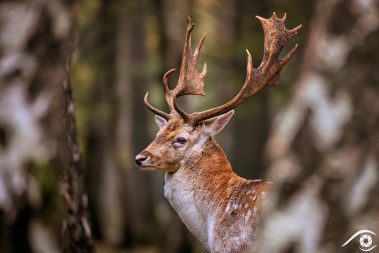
[
  {"x": 37, "y": 127},
  {"x": 120, "y": 194},
  {"x": 323, "y": 150}
]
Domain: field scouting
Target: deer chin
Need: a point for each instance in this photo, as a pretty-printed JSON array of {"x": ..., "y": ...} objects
[{"x": 148, "y": 167}]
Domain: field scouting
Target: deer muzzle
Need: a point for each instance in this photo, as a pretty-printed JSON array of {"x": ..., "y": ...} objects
[{"x": 141, "y": 158}]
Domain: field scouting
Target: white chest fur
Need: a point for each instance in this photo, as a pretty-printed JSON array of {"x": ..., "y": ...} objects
[
  {"x": 179, "y": 192},
  {"x": 201, "y": 221}
]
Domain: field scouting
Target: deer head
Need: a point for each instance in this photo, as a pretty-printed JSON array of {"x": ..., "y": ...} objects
[{"x": 182, "y": 136}]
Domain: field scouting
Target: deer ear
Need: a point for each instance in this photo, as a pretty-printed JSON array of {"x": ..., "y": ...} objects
[
  {"x": 214, "y": 125},
  {"x": 161, "y": 122}
]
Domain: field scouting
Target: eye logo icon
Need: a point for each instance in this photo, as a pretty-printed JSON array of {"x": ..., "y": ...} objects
[{"x": 365, "y": 240}]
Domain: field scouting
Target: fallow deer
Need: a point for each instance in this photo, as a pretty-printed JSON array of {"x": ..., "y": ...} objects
[{"x": 220, "y": 208}]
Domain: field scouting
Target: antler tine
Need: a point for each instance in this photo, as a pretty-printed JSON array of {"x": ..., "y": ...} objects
[
  {"x": 190, "y": 81},
  {"x": 166, "y": 90},
  {"x": 284, "y": 17},
  {"x": 186, "y": 55},
  {"x": 268, "y": 72},
  {"x": 153, "y": 109}
]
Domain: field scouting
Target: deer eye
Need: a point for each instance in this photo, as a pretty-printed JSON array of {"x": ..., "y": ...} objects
[{"x": 181, "y": 140}]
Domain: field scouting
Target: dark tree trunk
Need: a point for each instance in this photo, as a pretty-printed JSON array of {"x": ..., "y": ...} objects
[
  {"x": 132, "y": 78},
  {"x": 114, "y": 43},
  {"x": 98, "y": 49},
  {"x": 77, "y": 235},
  {"x": 253, "y": 119}
]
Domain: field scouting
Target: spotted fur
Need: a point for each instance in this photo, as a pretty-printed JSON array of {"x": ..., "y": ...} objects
[{"x": 220, "y": 208}]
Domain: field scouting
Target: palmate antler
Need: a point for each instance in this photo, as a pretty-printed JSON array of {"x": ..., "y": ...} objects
[{"x": 192, "y": 83}]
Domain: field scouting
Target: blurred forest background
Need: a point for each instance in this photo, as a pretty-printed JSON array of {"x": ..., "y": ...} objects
[{"x": 68, "y": 182}]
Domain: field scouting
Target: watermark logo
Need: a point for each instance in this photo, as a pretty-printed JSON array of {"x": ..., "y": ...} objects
[{"x": 365, "y": 240}]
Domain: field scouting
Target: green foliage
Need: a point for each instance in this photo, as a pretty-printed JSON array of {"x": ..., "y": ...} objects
[{"x": 43, "y": 193}]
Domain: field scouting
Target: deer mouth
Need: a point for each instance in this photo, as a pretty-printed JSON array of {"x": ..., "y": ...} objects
[{"x": 146, "y": 167}]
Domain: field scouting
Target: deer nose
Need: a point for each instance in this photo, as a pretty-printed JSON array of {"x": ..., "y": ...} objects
[{"x": 140, "y": 159}]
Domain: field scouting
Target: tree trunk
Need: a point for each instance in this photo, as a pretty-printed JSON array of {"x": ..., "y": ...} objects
[
  {"x": 132, "y": 78},
  {"x": 323, "y": 149},
  {"x": 77, "y": 236},
  {"x": 98, "y": 49},
  {"x": 114, "y": 44},
  {"x": 35, "y": 102}
]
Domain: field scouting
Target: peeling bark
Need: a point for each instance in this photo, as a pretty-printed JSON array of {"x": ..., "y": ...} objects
[
  {"x": 35, "y": 39},
  {"x": 322, "y": 153}
]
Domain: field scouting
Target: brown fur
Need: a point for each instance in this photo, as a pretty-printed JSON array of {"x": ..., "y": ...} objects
[
  {"x": 215, "y": 187},
  {"x": 219, "y": 186}
]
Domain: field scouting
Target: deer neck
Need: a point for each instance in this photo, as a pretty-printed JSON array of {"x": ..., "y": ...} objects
[{"x": 196, "y": 190}]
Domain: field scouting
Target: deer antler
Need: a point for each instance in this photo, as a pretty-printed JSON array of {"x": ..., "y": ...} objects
[
  {"x": 190, "y": 81},
  {"x": 276, "y": 37}
]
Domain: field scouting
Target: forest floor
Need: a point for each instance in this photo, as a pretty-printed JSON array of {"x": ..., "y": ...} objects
[{"x": 106, "y": 248}]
